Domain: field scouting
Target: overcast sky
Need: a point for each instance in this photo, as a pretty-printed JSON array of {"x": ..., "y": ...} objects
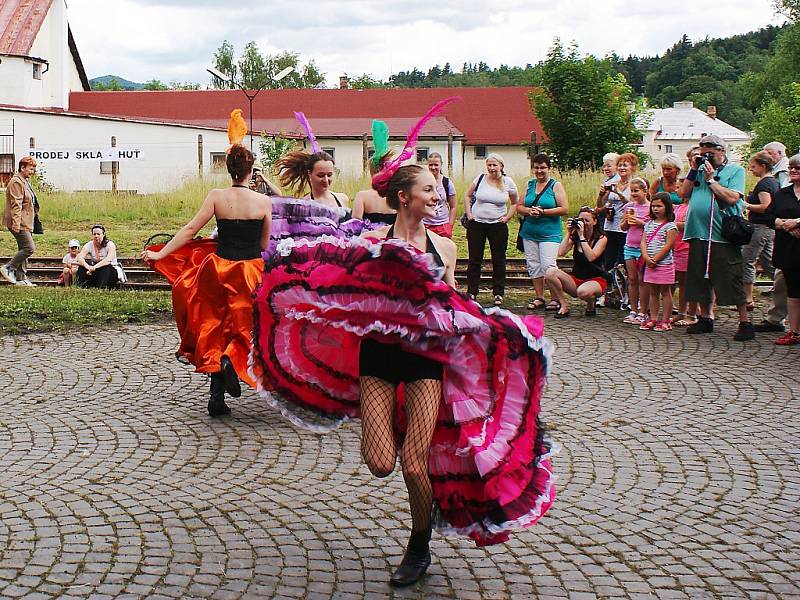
[{"x": 174, "y": 40}]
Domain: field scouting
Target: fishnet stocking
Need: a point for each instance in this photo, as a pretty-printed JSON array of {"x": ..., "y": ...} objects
[
  {"x": 422, "y": 406},
  {"x": 378, "y": 445}
]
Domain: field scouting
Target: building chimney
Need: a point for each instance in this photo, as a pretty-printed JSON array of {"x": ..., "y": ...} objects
[
  {"x": 711, "y": 111},
  {"x": 344, "y": 82}
]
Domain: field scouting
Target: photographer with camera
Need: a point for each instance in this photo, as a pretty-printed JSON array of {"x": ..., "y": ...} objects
[
  {"x": 587, "y": 280},
  {"x": 715, "y": 188},
  {"x": 614, "y": 195}
]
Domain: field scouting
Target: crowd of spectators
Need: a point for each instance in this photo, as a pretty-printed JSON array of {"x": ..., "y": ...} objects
[{"x": 672, "y": 234}]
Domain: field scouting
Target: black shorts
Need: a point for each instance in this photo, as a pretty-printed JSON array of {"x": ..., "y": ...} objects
[
  {"x": 393, "y": 364},
  {"x": 726, "y": 273}
]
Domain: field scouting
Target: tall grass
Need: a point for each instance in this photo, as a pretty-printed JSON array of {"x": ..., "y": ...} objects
[{"x": 131, "y": 219}]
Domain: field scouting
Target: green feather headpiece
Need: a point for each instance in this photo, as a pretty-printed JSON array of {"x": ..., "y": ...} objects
[{"x": 380, "y": 140}]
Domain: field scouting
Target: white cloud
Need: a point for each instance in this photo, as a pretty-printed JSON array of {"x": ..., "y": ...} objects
[{"x": 176, "y": 39}]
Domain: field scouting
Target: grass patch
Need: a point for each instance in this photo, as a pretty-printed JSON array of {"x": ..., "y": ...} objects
[{"x": 28, "y": 310}]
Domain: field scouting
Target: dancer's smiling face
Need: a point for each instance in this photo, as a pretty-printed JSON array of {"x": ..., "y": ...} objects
[
  {"x": 422, "y": 198},
  {"x": 321, "y": 176}
]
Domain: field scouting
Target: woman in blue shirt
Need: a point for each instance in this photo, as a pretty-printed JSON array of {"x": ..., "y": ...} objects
[{"x": 545, "y": 203}]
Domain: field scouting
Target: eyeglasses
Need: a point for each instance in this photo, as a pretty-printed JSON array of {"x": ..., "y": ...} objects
[{"x": 794, "y": 168}]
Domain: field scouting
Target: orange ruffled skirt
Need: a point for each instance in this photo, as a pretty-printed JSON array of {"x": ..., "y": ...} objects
[{"x": 212, "y": 299}]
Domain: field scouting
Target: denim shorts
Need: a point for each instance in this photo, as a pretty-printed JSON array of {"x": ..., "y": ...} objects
[{"x": 632, "y": 253}]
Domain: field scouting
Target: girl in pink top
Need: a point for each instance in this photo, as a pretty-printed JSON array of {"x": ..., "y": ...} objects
[
  {"x": 659, "y": 271},
  {"x": 636, "y": 214}
]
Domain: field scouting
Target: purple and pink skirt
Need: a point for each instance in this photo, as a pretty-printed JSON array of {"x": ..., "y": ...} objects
[{"x": 489, "y": 459}]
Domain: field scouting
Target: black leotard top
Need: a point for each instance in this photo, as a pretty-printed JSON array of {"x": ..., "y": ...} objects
[
  {"x": 379, "y": 217},
  {"x": 239, "y": 239},
  {"x": 429, "y": 247}
]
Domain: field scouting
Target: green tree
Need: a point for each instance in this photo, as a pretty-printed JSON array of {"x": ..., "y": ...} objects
[
  {"x": 273, "y": 148},
  {"x": 366, "y": 82},
  {"x": 254, "y": 70},
  {"x": 788, "y": 8},
  {"x": 779, "y": 121},
  {"x": 584, "y": 108},
  {"x": 113, "y": 85},
  {"x": 155, "y": 85},
  {"x": 225, "y": 62}
]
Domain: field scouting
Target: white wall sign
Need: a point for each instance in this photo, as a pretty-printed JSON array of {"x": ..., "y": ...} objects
[{"x": 87, "y": 154}]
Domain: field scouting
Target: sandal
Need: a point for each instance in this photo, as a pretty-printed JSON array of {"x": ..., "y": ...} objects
[
  {"x": 560, "y": 315},
  {"x": 498, "y": 300},
  {"x": 536, "y": 304},
  {"x": 750, "y": 306},
  {"x": 553, "y": 305},
  {"x": 684, "y": 322}
]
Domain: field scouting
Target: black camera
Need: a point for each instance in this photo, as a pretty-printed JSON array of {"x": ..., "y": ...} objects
[
  {"x": 573, "y": 223},
  {"x": 700, "y": 160}
]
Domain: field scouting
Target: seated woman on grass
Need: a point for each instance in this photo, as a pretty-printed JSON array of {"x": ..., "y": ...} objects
[{"x": 587, "y": 281}]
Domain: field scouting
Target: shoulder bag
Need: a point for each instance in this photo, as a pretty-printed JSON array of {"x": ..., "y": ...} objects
[{"x": 520, "y": 243}]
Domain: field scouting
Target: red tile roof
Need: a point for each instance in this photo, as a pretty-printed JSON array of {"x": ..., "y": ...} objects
[
  {"x": 484, "y": 115},
  {"x": 20, "y": 21}
]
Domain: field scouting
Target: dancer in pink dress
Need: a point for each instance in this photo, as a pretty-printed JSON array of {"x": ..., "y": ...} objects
[{"x": 372, "y": 327}]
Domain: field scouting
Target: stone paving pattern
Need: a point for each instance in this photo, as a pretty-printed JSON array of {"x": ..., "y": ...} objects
[{"x": 679, "y": 478}]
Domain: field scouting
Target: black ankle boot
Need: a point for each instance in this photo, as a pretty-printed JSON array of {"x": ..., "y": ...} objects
[
  {"x": 416, "y": 560},
  {"x": 216, "y": 404},
  {"x": 230, "y": 377}
]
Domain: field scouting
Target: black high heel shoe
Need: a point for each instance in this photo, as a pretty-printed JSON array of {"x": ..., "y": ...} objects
[
  {"x": 416, "y": 561},
  {"x": 230, "y": 377},
  {"x": 216, "y": 404}
]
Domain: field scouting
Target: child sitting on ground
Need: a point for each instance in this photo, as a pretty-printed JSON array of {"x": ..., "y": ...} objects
[{"x": 70, "y": 264}]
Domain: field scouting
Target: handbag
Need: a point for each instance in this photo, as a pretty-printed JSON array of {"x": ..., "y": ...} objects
[
  {"x": 735, "y": 229},
  {"x": 520, "y": 242},
  {"x": 38, "y": 228},
  {"x": 464, "y": 219}
]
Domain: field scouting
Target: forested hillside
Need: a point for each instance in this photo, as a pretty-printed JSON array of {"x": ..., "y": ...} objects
[{"x": 708, "y": 72}]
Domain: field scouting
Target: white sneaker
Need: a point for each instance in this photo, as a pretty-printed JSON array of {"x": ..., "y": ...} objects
[
  {"x": 28, "y": 282},
  {"x": 7, "y": 274}
]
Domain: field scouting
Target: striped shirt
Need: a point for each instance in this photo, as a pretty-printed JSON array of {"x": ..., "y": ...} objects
[{"x": 655, "y": 243}]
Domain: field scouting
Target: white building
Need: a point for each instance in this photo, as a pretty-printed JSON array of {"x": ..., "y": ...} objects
[{"x": 679, "y": 128}]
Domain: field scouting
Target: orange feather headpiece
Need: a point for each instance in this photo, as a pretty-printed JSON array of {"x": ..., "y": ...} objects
[{"x": 237, "y": 128}]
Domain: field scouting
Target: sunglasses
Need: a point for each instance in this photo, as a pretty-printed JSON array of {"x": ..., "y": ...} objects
[
  {"x": 588, "y": 209},
  {"x": 706, "y": 145},
  {"x": 794, "y": 168}
]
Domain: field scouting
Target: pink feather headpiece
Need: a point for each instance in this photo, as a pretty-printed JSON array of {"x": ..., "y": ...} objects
[
  {"x": 301, "y": 118},
  {"x": 381, "y": 179}
]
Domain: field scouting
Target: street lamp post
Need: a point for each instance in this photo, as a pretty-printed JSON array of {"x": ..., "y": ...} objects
[{"x": 251, "y": 94}]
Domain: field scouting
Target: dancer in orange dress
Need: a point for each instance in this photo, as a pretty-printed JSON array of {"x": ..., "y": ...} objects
[{"x": 213, "y": 281}]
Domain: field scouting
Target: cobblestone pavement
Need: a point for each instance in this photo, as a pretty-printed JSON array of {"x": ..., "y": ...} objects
[{"x": 679, "y": 478}]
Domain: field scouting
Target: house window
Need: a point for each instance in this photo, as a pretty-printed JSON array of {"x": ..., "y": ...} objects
[
  {"x": 6, "y": 163},
  {"x": 668, "y": 148},
  {"x": 218, "y": 161},
  {"x": 331, "y": 151},
  {"x": 422, "y": 154},
  {"x": 107, "y": 167},
  {"x": 480, "y": 152},
  {"x": 37, "y": 70}
]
